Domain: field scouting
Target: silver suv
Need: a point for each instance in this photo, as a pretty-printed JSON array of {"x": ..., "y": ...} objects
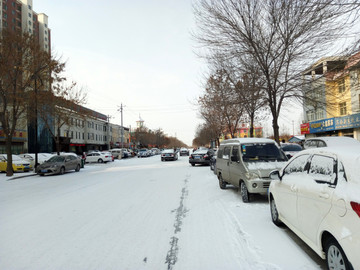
[{"x": 247, "y": 163}]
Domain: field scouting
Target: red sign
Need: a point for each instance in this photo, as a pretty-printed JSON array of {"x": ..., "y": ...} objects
[{"x": 305, "y": 128}]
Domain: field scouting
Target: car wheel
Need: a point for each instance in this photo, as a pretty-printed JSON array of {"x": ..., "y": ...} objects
[
  {"x": 100, "y": 160},
  {"x": 244, "y": 192},
  {"x": 41, "y": 174},
  {"x": 192, "y": 164},
  {"x": 77, "y": 168},
  {"x": 222, "y": 183},
  {"x": 335, "y": 256},
  {"x": 274, "y": 213},
  {"x": 62, "y": 170}
]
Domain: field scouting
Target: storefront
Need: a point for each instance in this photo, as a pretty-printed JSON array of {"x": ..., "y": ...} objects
[{"x": 337, "y": 126}]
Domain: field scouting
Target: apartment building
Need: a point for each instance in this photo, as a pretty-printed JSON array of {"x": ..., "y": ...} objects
[
  {"x": 333, "y": 87},
  {"x": 18, "y": 15}
]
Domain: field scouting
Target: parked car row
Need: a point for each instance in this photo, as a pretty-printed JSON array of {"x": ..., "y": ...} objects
[{"x": 316, "y": 193}]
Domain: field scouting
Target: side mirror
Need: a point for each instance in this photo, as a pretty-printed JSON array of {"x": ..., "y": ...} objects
[{"x": 275, "y": 175}]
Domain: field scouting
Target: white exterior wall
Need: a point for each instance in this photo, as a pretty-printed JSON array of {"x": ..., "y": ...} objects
[
  {"x": 27, "y": 16},
  {"x": 44, "y": 31}
]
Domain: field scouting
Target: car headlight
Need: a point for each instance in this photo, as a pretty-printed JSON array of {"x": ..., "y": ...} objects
[{"x": 251, "y": 175}]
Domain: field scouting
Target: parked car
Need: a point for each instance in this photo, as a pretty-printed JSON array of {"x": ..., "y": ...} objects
[
  {"x": 18, "y": 164},
  {"x": 169, "y": 154},
  {"x": 247, "y": 163},
  {"x": 213, "y": 162},
  {"x": 184, "y": 152},
  {"x": 108, "y": 153},
  {"x": 59, "y": 164},
  {"x": 290, "y": 149},
  {"x": 143, "y": 153},
  {"x": 116, "y": 152},
  {"x": 329, "y": 141},
  {"x": 317, "y": 196},
  {"x": 201, "y": 157},
  {"x": 98, "y": 157},
  {"x": 155, "y": 151},
  {"x": 42, "y": 157}
]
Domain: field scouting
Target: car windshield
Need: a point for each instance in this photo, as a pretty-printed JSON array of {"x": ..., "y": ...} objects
[
  {"x": 261, "y": 152},
  {"x": 56, "y": 159}
]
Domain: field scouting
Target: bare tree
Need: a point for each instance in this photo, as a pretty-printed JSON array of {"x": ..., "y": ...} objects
[
  {"x": 282, "y": 37},
  {"x": 57, "y": 108},
  {"x": 218, "y": 106},
  {"x": 22, "y": 64}
]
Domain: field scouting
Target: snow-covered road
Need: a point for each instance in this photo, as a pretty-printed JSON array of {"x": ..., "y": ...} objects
[{"x": 140, "y": 214}]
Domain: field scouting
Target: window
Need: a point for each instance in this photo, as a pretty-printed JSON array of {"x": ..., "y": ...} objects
[
  {"x": 235, "y": 154},
  {"x": 341, "y": 85},
  {"x": 29, "y": 6},
  {"x": 342, "y": 106},
  {"x": 297, "y": 165},
  {"x": 322, "y": 169},
  {"x": 29, "y": 15},
  {"x": 83, "y": 136},
  {"x": 226, "y": 154}
]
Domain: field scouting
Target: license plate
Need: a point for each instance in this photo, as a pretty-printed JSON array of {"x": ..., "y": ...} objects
[
  {"x": 197, "y": 157},
  {"x": 26, "y": 167},
  {"x": 168, "y": 155},
  {"x": 43, "y": 170}
]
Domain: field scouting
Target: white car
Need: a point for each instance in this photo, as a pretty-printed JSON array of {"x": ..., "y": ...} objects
[
  {"x": 317, "y": 196},
  {"x": 98, "y": 157},
  {"x": 42, "y": 157}
]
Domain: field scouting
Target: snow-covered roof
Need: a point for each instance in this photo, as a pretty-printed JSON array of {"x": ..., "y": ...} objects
[
  {"x": 247, "y": 140},
  {"x": 337, "y": 141}
]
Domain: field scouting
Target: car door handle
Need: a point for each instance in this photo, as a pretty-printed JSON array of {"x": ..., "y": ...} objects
[
  {"x": 324, "y": 195},
  {"x": 293, "y": 188}
]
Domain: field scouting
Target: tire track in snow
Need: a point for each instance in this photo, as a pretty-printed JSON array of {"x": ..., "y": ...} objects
[
  {"x": 248, "y": 254},
  {"x": 171, "y": 257}
]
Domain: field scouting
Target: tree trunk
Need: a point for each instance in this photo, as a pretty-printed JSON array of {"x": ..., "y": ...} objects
[
  {"x": 252, "y": 116},
  {"x": 9, "y": 168},
  {"x": 276, "y": 129}
]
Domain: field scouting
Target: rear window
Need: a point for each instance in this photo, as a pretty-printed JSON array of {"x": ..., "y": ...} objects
[
  {"x": 261, "y": 152},
  {"x": 291, "y": 147}
]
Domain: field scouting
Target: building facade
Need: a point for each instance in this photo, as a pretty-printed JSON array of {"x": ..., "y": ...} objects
[{"x": 333, "y": 108}]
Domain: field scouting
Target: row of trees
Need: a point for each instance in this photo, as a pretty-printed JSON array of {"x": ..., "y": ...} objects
[
  {"x": 32, "y": 88},
  {"x": 257, "y": 51},
  {"x": 145, "y": 137}
]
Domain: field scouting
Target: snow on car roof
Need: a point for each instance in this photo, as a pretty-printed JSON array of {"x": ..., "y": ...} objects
[
  {"x": 336, "y": 140},
  {"x": 248, "y": 140}
]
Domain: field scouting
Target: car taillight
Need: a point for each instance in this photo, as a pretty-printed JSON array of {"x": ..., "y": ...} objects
[
  {"x": 206, "y": 156},
  {"x": 356, "y": 207}
]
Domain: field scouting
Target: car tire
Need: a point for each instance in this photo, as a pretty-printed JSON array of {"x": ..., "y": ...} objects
[
  {"x": 77, "y": 168},
  {"x": 244, "y": 192},
  {"x": 192, "y": 164},
  {"x": 62, "y": 170},
  {"x": 222, "y": 183},
  {"x": 274, "y": 213},
  {"x": 100, "y": 160},
  {"x": 335, "y": 256}
]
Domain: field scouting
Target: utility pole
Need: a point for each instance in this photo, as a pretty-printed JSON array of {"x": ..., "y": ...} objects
[{"x": 122, "y": 127}]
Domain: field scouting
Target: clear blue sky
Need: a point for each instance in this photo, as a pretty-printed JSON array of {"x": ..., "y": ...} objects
[{"x": 139, "y": 53}]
